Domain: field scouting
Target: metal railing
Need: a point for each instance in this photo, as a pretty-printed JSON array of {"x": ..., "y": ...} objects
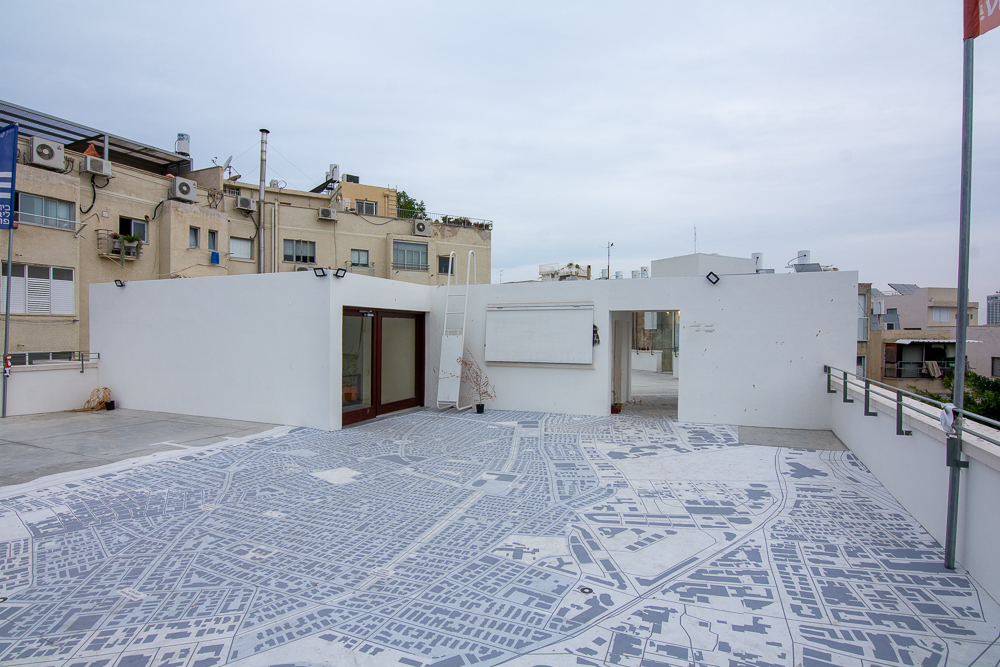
[
  {"x": 45, "y": 358},
  {"x": 360, "y": 268},
  {"x": 915, "y": 369},
  {"x": 410, "y": 266},
  {"x": 413, "y": 214},
  {"x": 110, "y": 244},
  {"x": 907, "y": 400}
]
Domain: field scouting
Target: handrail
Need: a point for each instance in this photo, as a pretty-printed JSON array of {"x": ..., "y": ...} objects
[
  {"x": 867, "y": 384},
  {"x": 29, "y": 358}
]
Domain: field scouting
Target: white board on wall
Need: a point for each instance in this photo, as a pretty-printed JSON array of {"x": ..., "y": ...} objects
[{"x": 541, "y": 333}]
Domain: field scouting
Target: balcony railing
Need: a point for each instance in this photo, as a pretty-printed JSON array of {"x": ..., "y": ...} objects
[
  {"x": 368, "y": 268},
  {"x": 49, "y": 358},
  {"x": 110, "y": 244},
  {"x": 409, "y": 266},
  {"x": 916, "y": 369},
  {"x": 412, "y": 214}
]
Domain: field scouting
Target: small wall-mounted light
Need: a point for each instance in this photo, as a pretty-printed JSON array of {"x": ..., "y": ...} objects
[
  {"x": 712, "y": 277},
  {"x": 320, "y": 271},
  {"x": 119, "y": 283},
  {"x": 340, "y": 273}
]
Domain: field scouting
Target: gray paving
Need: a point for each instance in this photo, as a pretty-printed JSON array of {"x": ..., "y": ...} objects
[
  {"x": 653, "y": 395},
  {"x": 33, "y": 446},
  {"x": 791, "y": 437},
  {"x": 449, "y": 539}
]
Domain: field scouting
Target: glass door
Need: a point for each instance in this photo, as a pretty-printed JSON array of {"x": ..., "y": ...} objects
[{"x": 357, "y": 369}]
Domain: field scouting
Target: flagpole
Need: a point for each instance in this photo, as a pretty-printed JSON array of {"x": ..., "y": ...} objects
[
  {"x": 8, "y": 219},
  {"x": 962, "y": 323}
]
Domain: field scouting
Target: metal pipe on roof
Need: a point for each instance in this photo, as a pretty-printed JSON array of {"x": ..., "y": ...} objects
[
  {"x": 260, "y": 201},
  {"x": 105, "y": 147}
]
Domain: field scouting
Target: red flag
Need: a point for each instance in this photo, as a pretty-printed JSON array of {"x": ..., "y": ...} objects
[{"x": 981, "y": 16}]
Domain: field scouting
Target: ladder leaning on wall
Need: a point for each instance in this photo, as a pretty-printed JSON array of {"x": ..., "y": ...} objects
[{"x": 453, "y": 340}]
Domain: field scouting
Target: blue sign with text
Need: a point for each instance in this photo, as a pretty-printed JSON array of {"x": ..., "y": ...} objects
[{"x": 8, "y": 165}]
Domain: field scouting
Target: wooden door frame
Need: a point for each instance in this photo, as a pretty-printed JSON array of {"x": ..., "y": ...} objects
[{"x": 377, "y": 408}]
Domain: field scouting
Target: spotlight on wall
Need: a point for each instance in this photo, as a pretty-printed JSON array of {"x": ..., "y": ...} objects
[
  {"x": 712, "y": 277},
  {"x": 320, "y": 271},
  {"x": 119, "y": 283},
  {"x": 340, "y": 273}
]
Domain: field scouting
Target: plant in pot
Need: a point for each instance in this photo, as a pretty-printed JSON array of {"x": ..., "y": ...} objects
[
  {"x": 478, "y": 382},
  {"x": 132, "y": 244}
]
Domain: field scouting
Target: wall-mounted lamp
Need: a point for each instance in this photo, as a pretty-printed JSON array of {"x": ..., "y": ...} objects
[
  {"x": 340, "y": 273},
  {"x": 320, "y": 272},
  {"x": 119, "y": 283},
  {"x": 712, "y": 277}
]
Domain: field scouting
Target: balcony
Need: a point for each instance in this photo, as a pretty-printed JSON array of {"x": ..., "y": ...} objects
[
  {"x": 114, "y": 246},
  {"x": 410, "y": 266},
  {"x": 918, "y": 369},
  {"x": 366, "y": 269}
]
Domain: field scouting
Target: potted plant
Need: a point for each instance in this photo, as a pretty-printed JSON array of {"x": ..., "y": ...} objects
[
  {"x": 131, "y": 243},
  {"x": 478, "y": 382}
]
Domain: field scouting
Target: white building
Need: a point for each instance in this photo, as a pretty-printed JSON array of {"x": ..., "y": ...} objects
[{"x": 993, "y": 308}]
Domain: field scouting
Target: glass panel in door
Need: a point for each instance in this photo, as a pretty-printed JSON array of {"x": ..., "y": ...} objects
[
  {"x": 357, "y": 363},
  {"x": 399, "y": 359}
]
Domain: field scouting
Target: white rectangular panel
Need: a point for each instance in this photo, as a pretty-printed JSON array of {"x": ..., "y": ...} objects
[{"x": 545, "y": 333}]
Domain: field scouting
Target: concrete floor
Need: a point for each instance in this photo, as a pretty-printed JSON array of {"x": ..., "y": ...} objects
[
  {"x": 653, "y": 395},
  {"x": 32, "y": 446}
]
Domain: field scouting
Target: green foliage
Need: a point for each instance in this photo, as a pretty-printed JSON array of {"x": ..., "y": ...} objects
[
  {"x": 982, "y": 394},
  {"x": 408, "y": 207}
]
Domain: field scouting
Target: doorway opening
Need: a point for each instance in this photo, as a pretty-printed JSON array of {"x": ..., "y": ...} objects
[
  {"x": 382, "y": 362},
  {"x": 650, "y": 378}
]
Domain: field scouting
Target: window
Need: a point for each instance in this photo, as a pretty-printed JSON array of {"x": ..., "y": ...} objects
[
  {"x": 302, "y": 252},
  {"x": 941, "y": 314},
  {"x": 230, "y": 190},
  {"x": 359, "y": 257},
  {"x": 443, "y": 264},
  {"x": 38, "y": 290},
  {"x": 131, "y": 227},
  {"x": 996, "y": 367},
  {"x": 365, "y": 207},
  {"x": 240, "y": 248},
  {"x": 35, "y": 210},
  {"x": 409, "y": 256},
  {"x": 213, "y": 239},
  {"x": 194, "y": 237}
]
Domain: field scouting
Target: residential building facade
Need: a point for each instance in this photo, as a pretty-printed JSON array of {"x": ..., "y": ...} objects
[
  {"x": 91, "y": 207},
  {"x": 993, "y": 308}
]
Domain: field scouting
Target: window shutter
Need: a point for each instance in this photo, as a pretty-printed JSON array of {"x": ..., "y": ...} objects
[
  {"x": 62, "y": 292},
  {"x": 39, "y": 290}
]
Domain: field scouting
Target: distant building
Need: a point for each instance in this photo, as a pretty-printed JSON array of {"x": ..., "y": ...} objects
[
  {"x": 993, "y": 308},
  {"x": 92, "y": 207},
  {"x": 558, "y": 272},
  {"x": 914, "y": 307}
]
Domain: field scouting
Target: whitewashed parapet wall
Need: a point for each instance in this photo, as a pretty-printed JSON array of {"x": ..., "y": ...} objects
[{"x": 752, "y": 346}]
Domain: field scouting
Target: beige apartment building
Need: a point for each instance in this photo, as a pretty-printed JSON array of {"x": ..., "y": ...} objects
[{"x": 144, "y": 214}]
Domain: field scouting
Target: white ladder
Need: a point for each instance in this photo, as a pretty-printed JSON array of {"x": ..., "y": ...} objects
[{"x": 453, "y": 340}]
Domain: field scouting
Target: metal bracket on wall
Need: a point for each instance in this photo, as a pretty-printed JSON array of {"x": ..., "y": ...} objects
[
  {"x": 899, "y": 415},
  {"x": 846, "y": 399},
  {"x": 955, "y": 454},
  {"x": 868, "y": 399},
  {"x": 829, "y": 388}
]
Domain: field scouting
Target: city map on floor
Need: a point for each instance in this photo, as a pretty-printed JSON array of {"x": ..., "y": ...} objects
[{"x": 447, "y": 539}]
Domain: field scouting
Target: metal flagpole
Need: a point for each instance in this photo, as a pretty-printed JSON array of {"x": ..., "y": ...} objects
[
  {"x": 260, "y": 200},
  {"x": 8, "y": 171},
  {"x": 962, "y": 323}
]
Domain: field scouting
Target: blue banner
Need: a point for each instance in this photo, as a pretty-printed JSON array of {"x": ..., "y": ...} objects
[{"x": 8, "y": 167}]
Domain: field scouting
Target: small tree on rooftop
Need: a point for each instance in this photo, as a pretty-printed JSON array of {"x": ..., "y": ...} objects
[
  {"x": 409, "y": 207},
  {"x": 475, "y": 379}
]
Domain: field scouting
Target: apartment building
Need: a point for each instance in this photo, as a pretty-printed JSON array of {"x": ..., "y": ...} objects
[
  {"x": 993, "y": 308},
  {"x": 92, "y": 207}
]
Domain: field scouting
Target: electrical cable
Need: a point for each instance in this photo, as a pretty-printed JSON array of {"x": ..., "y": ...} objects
[
  {"x": 157, "y": 209},
  {"x": 93, "y": 187}
]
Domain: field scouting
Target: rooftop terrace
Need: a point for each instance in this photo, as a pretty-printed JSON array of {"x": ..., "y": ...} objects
[{"x": 450, "y": 539}]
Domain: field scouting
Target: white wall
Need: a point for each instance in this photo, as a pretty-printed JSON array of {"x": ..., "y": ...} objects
[
  {"x": 50, "y": 387},
  {"x": 699, "y": 264},
  {"x": 912, "y": 468},
  {"x": 753, "y": 345},
  {"x": 643, "y": 360},
  {"x": 263, "y": 348}
]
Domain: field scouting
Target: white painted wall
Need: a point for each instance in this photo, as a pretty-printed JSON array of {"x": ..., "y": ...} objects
[
  {"x": 699, "y": 264},
  {"x": 50, "y": 387},
  {"x": 912, "y": 468},
  {"x": 263, "y": 348},
  {"x": 753, "y": 345},
  {"x": 647, "y": 360}
]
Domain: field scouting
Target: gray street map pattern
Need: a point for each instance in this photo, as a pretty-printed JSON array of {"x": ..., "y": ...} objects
[{"x": 444, "y": 539}]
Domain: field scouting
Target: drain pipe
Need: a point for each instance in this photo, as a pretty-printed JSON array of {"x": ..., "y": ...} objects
[{"x": 260, "y": 201}]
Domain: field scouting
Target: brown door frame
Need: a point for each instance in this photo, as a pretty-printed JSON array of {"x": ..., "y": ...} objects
[{"x": 377, "y": 408}]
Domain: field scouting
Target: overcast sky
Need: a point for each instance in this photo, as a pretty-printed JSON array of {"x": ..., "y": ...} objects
[{"x": 771, "y": 126}]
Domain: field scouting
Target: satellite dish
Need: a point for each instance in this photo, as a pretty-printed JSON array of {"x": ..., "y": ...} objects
[{"x": 226, "y": 165}]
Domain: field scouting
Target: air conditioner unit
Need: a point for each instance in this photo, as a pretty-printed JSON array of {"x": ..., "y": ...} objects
[
  {"x": 343, "y": 204},
  {"x": 96, "y": 165},
  {"x": 327, "y": 213},
  {"x": 184, "y": 190},
  {"x": 45, "y": 153},
  {"x": 421, "y": 228},
  {"x": 245, "y": 204}
]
